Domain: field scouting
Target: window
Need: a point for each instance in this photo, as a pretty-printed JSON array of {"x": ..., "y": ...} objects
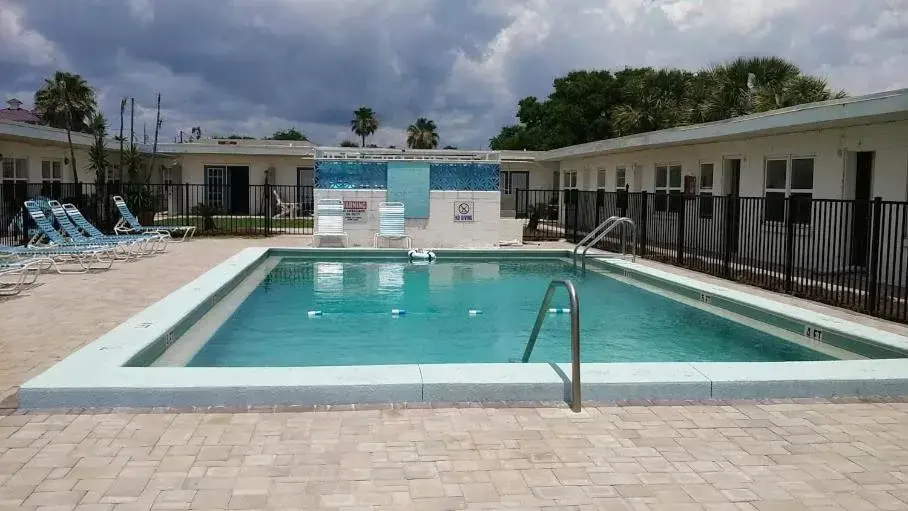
[
  {"x": 14, "y": 178},
  {"x": 668, "y": 188},
  {"x": 790, "y": 178},
  {"x": 621, "y": 178},
  {"x": 215, "y": 185},
  {"x": 706, "y": 189},
  {"x": 570, "y": 187},
  {"x": 600, "y": 188},
  {"x": 511, "y": 181},
  {"x": 15, "y": 169},
  {"x": 51, "y": 176},
  {"x": 570, "y": 180}
]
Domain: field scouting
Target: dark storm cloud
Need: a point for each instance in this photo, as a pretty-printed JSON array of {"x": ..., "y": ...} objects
[
  {"x": 255, "y": 66},
  {"x": 314, "y": 73}
]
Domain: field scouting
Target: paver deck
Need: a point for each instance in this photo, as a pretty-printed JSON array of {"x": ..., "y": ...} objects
[{"x": 801, "y": 455}]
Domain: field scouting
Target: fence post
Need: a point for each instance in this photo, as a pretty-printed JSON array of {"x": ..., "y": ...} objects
[
  {"x": 267, "y": 208},
  {"x": 185, "y": 207},
  {"x": 576, "y": 197},
  {"x": 789, "y": 244},
  {"x": 873, "y": 293},
  {"x": 25, "y": 219},
  {"x": 644, "y": 215},
  {"x": 730, "y": 202},
  {"x": 681, "y": 215}
]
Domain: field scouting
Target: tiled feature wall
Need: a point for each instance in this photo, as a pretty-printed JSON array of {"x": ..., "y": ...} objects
[
  {"x": 408, "y": 182},
  {"x": 350, "y": 175},
  {"x": 440, "y": 230},
  {"x": 474, "y": 177},
  {"x": 373, "y": 175}
]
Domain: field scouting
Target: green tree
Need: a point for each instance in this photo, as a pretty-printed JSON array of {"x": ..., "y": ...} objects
[
  {"x": 288, "y": 134},
  {"x": 97, "y": 156},
  {"x": 348, "y": 143},
  {"x": 364, "y": 123},
  {"x": 593, "y": 105},
  {"x": 422, "y": 134},
  {"x": 65, "y": 101}
]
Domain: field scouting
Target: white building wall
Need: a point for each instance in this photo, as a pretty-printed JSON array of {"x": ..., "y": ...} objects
[
  {"x": 35, "y": 153},
  {"x": 814, "y": 244}
]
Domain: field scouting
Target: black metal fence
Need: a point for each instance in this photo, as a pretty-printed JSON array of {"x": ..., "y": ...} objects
[
  {"x": 847, "y": 253},
  {"x": 253, "y": 210}
]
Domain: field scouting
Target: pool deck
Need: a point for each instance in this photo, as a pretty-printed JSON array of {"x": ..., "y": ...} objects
[{"x": 803, "y": 454}]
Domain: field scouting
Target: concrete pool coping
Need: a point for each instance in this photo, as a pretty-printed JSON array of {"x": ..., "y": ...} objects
[{"x": 98, "y": 375}]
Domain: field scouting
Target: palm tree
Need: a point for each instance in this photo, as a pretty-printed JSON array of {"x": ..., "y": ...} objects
[
  {"x": 423, "y": 134},
  {"x": 364, "y": 123},
  {"x": 733, "y": 85},
  {"x": 97, "y": 157},
  {"x": 794, "y": 91},
  {"x": 66, "y": 101}
]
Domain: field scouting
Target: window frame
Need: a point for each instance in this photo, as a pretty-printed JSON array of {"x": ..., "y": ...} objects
[
  {"x": 788, "y": 192},
  {"x": 621, "y": 177},
  {"x": 15, "y": 169},
  {"x": 668, "y": 197},
  {"x": 705, "y": 194},
  {"x": 50, "y": 184}
]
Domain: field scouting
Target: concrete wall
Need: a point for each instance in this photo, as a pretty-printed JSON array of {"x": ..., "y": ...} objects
[{"x": 439, "y": 230}]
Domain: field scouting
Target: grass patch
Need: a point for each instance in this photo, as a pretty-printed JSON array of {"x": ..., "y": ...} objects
[{"x": 237, "y": 223}]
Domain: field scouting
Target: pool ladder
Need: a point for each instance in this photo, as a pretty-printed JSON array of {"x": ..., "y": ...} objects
[
  {"x": 575, "y": 335},
  {"x": 601, "y": 231}
]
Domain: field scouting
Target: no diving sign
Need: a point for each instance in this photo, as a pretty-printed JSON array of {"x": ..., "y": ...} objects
[{"x": 463, "y": 211}]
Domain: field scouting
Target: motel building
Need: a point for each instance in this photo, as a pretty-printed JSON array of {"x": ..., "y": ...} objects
[{"x": 716, "y": 188}]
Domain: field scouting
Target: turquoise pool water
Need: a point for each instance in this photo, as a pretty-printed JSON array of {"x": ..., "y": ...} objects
[{"x": 356, "y": 326}]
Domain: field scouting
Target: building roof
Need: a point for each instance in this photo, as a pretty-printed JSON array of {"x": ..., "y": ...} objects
[
  {"x": 27, "y": 131},
  {"x": 14, "y": 112},
  {"x": 878, "y": 107}
]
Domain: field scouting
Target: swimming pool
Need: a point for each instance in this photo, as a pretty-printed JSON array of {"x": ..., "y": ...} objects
[
  {"x": 309, "y": 312},
  {"x": 242, "y": 335}
]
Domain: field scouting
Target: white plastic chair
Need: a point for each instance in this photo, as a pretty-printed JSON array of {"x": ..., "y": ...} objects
[
  {"x": 287, "y": 209},
  {"x": 391, "y": 223},
  {"x": 329, "y": 219}
]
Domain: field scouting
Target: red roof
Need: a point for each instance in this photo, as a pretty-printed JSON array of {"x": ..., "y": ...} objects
[{"x": 18, "y": 115}]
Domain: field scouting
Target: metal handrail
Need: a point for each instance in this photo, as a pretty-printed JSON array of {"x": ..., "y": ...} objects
[
  {"x": 575, "y": 335},
  {"x": 621, "y": 221},
  {"x": 605, "y": 223}
]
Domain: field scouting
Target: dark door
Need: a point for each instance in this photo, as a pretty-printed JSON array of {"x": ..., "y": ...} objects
[
  {"x": 860, "y": 225},
  {"x": 733, "y": 192},
  {"x": 238, "y": 181}
]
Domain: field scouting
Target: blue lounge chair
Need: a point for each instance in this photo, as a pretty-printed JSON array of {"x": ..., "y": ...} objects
[
  {"x": 131, "y": 245},
  {"x": 15, "y": 276},
  {"x": 129, "y": 224},
  {"x": 46, "y": 231},
  {"x": 157, "y": 242},
  {"x": 58, "y": 257}
]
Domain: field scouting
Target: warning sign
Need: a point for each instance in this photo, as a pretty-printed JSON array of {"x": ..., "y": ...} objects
[{"x": 355, "y": 211}]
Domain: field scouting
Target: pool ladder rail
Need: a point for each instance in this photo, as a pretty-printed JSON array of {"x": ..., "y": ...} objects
[
  {"x": 575, "y": 335},
  {"x": 601, "y": 231}
]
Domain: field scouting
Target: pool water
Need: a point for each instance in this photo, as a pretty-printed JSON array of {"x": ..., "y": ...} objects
[{"x": 619, "y": 322}]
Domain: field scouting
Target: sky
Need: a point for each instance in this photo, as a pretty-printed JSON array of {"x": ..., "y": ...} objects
[{"x": 255, "y": 66}]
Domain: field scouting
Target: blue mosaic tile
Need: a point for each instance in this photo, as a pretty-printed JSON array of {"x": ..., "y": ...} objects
[
  {"x": 348, "y": 175},
  {"x": 476, "y": 177}
]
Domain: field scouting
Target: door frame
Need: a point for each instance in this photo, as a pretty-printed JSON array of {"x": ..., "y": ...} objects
[
  {"x": 731, "y": 193},
  {"x": 225, "y": 200},
  {"x": 862, "y": 215}
]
